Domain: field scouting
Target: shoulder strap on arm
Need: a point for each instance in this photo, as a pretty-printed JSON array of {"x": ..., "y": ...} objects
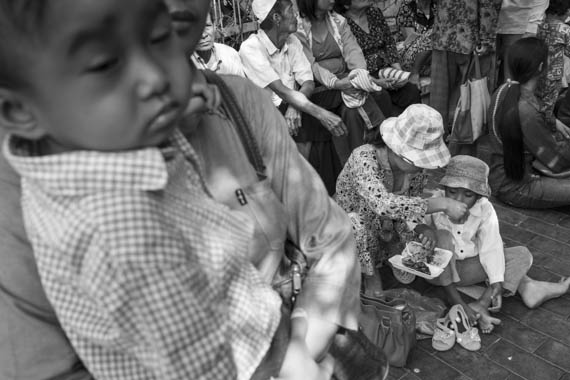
[{"x": 247, "y": 138}]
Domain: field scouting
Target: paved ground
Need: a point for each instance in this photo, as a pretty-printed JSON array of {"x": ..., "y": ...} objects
[{"x": 530, "y": 344}]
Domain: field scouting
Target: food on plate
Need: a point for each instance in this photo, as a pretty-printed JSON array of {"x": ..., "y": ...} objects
[{"x": 416, "y": 256}]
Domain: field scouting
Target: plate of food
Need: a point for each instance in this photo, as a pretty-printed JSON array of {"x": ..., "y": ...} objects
[{"x": 423, "y": 262}]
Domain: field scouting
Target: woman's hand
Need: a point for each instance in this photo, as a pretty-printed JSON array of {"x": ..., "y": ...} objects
[
  {"x": 457, "y": 211},
  {"x": 397, "y": 66},
  {"x": 385, "y": 83},
  {"x": 415, "y": 79},
  {"x": 343, "y": 84},
  {"x": 298, "y": 362},
  {"x": 428, "y": 239}
]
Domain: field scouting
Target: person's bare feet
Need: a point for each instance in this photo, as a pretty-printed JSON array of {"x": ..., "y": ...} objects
[
  {"x": 534, "y": 293},
  {"x": 486, "y": 321}
]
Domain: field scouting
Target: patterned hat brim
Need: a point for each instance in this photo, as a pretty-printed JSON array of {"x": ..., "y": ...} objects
[{"x": 435, "y": 157}]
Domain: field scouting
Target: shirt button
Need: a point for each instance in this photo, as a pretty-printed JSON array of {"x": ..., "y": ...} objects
[{"x": 461, "y": 251}]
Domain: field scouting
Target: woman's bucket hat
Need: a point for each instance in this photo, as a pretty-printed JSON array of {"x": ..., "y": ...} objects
[
  {"x": 469, "y": 173},
  {"x": 417, "y": 135}
]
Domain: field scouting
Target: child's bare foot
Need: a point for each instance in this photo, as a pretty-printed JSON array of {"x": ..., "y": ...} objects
[
  {"x": 486, "y": 321},
  {"x": 534, "y": 293}
]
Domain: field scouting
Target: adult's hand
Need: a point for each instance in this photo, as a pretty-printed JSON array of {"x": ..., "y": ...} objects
[
  {"x": 293, "y": 118},
  {"x": 298, "y": 362},
  {"x": 457, "y": 211},
  {"x": 385, "y": 83},
  {"x": 343, "y": 84},
  {"x": 415, "y": 79},
  {"x": 333, "y": 123}
]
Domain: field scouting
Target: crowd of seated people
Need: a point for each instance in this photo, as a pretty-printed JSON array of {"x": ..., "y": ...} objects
[
  {"x": 320, "y": 61},
  {"x": 314, "y": 86}
]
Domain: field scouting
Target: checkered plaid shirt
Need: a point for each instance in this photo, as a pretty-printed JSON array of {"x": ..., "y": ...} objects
[{"x": 147, "y": 273}]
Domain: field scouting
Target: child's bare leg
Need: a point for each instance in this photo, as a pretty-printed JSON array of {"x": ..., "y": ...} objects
[
  {"x": 454, "y": 298},
  {"x": 534, "y": 292}
]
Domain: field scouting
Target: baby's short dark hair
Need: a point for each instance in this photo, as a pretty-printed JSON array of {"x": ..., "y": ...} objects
[{"x": 20, "y": 20}]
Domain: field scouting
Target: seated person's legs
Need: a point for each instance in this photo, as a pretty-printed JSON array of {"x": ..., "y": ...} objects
[
  {"x": 357, "y": 122},
  {"x": 518, "y": 261},
  {"x": 404, "y": 96},
  {"x": 464, "y": 273}
]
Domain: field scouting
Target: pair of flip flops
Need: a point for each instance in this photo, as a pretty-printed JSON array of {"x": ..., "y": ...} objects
[{"x": 455, "y": 327}]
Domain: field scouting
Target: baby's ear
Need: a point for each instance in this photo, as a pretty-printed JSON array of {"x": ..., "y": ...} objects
[{"x": 17, "y": 117}]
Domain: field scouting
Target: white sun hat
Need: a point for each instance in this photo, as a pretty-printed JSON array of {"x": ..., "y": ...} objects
[
  {"x": 261, "y": 8},
  {"x": 417, "y": 135}
]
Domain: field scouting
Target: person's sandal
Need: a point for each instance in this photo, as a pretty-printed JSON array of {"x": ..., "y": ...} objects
[
  {"x": 466, "y": 335},
  {"x": 443, "y": 337}
]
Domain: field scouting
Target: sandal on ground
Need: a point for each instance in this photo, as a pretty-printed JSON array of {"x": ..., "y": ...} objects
[
  {"x": 443, "y": 337},
  {"x": 465, "y": 334}
]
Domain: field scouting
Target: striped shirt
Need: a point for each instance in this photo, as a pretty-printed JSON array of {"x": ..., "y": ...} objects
[{"x": 149, "y": 276}]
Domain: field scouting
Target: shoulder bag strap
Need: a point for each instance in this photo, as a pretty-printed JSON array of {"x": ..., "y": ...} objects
[
  {"x": 229, "y": 102},
  {"x": 247, "y": 138}
]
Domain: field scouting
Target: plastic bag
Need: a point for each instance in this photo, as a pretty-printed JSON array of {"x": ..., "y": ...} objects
[{"x": 426, "y": 309}]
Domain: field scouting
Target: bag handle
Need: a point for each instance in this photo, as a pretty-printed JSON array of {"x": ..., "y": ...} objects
[
  {"x": 473, "y": 68},
  {"x": 477, "y": 66}
]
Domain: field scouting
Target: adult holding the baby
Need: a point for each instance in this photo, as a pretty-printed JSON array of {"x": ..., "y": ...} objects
[{"x": 381, "y": 184}]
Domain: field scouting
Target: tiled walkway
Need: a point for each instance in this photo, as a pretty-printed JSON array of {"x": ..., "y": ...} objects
[{"x": 529, "y": 344}]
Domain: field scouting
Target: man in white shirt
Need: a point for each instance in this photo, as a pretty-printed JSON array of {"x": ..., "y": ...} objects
[
  {"x": 217, "y": 57},
  {"x": 273, "y": 58}
]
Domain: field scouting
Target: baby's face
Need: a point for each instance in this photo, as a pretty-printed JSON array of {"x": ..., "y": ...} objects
[
  {"x": 109, "y": 75},
  {"x": 463, "y": 195}
]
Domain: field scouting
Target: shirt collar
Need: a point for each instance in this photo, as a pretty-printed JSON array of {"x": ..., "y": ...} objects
[
  {"x": 82, "y": 172},
  {"x": 269, "y": 46}
]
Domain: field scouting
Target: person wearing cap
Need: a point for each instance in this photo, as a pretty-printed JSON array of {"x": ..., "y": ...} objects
[
  {"x": 273, "y": 59},
  {"x": 210, "y": 55},
  {"x": 479, "y": 255},
  {"x": 381, "y": 185}
]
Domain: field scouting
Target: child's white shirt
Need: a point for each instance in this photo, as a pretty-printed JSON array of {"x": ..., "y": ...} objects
[{"x": 479, "y": 235}]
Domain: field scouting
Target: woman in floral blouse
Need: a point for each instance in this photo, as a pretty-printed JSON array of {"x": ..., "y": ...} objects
[
  {"x": 373, "y": 35},
  {"x": 381, "y": 184},
  {"x": 415, "y": 21}
]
